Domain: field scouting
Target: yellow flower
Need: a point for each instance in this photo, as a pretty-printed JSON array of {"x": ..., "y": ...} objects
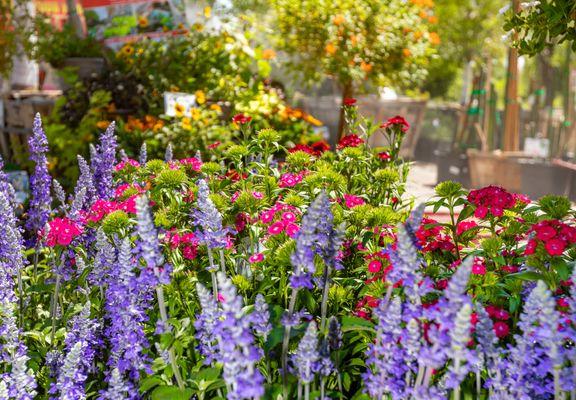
[
  {"x": 186, "y": 123},
  {"x": 142, "y": 21},
  {"x": 179, "y": 109},
  {"x": 200, "y": 97},
  {"x": 311, "y": 120},
  {"x": 195, "y": 114},
  {"x": 157, "y": 126},
  {"x": 216, "y": 107},
  {"x": 127, "y": 50},
  {"x": 207, "y": 11}
]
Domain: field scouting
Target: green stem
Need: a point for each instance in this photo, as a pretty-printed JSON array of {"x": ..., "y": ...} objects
[
  {"x": 222, "y": 261},
  {"x": 213, "y": 274},
  {"x": 478, "y": 385},
  {"x": 164, "y": 318},
  {"x": 21, "y": 300},
  {"x": 324, "y": 304},
  {"x": 286, "y": 342},
  {"x": 54, "y": 308},
  {"x": 453, "y": 228}
]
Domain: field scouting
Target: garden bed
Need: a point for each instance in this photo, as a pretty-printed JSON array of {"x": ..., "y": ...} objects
[{"x": 240, "y": 277}]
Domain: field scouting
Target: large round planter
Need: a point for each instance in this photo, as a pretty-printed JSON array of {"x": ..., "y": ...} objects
[
  {"x": 518, "y": 173},
  {"x": 453, "y": 166},
  {"x": 494, "y": 169}
]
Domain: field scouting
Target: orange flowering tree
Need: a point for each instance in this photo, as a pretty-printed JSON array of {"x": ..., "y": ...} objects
[{"x": 355, "y": 41}]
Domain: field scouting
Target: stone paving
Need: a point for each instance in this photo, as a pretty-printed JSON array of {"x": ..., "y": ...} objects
[{"x": 421, "y": 181}]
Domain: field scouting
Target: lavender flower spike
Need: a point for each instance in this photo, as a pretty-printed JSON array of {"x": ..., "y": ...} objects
[
  {"x": 307, "y": 354},
  {"x": 169, "y": 155},
  {"x": 79, "y": 357},
  {"x": 40, "y": 181},
  {"x": 103, "y": 163},
  {"x": 5, "y": 186},
  {"x": 205, "y": 323},
  {"x": 260, "y": 317},
  {"x": 209, "y": 218},
  {"x": 143, "y": 157},
  {"x": 11, "y": 245},
  {"x": 462, "y": 357},
  {"x": 85, "y": 181},
  {"x": 313, "y": 237},
  {"x": 237, "y": 350},
  {"x": 126, "y": 306},
  {"x": 149, "y": 244},
  {"x": 386, "y": 357}
]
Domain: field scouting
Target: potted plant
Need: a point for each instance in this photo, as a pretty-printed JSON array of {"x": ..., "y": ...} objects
[{"x": 68, "y": 53}]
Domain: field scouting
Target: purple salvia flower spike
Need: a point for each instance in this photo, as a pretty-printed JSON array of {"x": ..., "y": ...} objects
[
  {"x": 40, "y": 181},
  {"x": 260, "y": 317},
  {"x": 78, "y": 201},
  {"x": 205, "y": 324},
  {"x": 169, "y": 155},
  {"x": 386, "y": 357},
  {"x": 306, "y": 357},
  {"x": 463, "y": 359},
  {"x": 78, "y": 360},
  {"x": 237, "y": 350},
  {"x": 334, "y": 334},
  {"x": 86, "y": 181},
  {"x": 20, "y": 382},
  {"x": 532, "y": 360},
  {"x": 11, "y": 243},
  {"x": 126, "y": 312},
  {"x": 118, "y": 389},
  {"x": 59, "y": 193},
  {"x": 5, "y": 185},
  {"x": 143, "y": 157},
  {"x": 104, "y": 260},
  {"x": 103, "y": 163},
  {"x": 149, "y": 244},
  {"x": 209, "y": 218},
  {"x": 313, "y": 235}
]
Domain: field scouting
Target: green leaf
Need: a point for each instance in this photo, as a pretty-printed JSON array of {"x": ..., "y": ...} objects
[
  {"x": 351, "y": 323},
  {"x": 171, "y": 393},
  {"x": 149, "y": 383},
  {"x": 527, "y": 276}
]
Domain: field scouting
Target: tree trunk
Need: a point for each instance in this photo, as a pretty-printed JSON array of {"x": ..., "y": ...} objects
[
  {"x": 347, "y": 92},
  {"x": 512, "y": 111}
]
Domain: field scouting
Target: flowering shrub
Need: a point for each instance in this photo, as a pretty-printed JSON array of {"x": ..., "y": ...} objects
[
  {"x": 258, "y": 277},
  {"x": 225, "y": 74}
]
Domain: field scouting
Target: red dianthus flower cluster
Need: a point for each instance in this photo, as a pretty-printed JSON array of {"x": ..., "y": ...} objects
[
  {"x": 350, "y": 141},
  {"x": 491, "y": 199},
  {"x": 554, "y": 235}
]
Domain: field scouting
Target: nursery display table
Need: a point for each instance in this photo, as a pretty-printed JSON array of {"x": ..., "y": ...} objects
[{"x": 16, "y": 116}]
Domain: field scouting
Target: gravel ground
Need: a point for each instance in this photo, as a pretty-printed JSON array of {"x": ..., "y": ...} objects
[{"x": 421, "y": 181}]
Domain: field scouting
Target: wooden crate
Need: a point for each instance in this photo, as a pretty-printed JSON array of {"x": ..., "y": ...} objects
[
  {"x": 19, "y": 109},
  {"x": 499, "y": 169}
]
